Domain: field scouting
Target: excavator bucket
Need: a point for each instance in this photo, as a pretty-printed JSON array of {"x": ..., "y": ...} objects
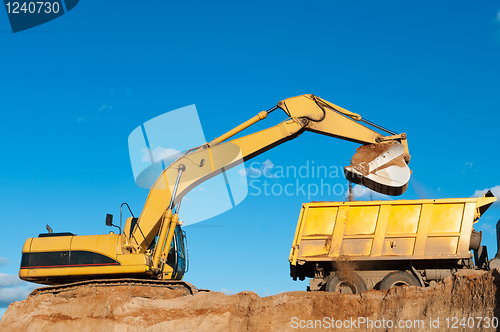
[{"x": 380, "y": 167}]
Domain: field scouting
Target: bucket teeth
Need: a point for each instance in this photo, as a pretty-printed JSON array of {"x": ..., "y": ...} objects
[{"x": 380, "y": 167}]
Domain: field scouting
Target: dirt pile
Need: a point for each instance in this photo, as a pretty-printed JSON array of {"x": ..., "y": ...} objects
[{"x": 142, "y": 308}]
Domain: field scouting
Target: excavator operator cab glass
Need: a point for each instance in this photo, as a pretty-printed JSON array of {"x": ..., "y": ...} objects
[
  {"x": 180, "y": 238},
  {"x": 177, "y": 258}
]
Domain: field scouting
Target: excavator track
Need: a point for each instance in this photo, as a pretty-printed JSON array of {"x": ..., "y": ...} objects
[{"x": 171, "y": 284}]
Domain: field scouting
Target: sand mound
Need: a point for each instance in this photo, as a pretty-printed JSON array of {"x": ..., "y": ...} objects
[{"x": 143, "y": 308}]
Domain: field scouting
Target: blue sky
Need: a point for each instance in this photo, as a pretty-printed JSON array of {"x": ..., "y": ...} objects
[{"x": 72, "y": 90}]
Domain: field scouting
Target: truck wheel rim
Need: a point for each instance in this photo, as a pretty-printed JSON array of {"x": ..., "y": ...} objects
[
  {"x": 346, "y": 288},
  {"x": 399, "y": 283}
]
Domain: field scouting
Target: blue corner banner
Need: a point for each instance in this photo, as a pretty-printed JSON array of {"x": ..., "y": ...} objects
[{"x": 24, "y": 15}]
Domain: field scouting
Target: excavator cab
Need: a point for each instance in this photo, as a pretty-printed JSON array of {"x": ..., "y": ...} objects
[
  {"x": 177, "y": 257},
  {"x": 177, "y": 261}
]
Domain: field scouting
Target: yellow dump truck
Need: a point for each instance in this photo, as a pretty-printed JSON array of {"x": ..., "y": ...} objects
[{"x": 349, "y": 247}]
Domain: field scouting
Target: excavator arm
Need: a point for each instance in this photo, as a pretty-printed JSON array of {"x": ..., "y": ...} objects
[
  {"x": 381, "y": 163},
  {"x": 332, "y": 120},
  {"x": 143, "y": 249}
]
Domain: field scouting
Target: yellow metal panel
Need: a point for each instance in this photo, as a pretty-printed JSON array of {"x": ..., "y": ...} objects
[
  {"x": 446, "y": 218},
  {"x": 88, "y": 270},
  {"x": 466, "y": 229},
  {"x": 409, "y": 229},
  {"x": 398, "y": 246},
  {"x": 126, "y": 228},
  {"x": 132, "y": 259},
  {"x": 302, "y": 106},
  {"x": 378, "y": 240},
  {"x": 167, "y": 271},
  {"x": 403, "y": 219},
  {"x": 320, "y": 220},
  {"x": 338, "y": 231},
  {"x": 130, "y": 264},
  {"x": 423, "y": 229},
  {"x": 344, "y": 127},
  {"x": 441, "y": 246},
  {"x": 294, "y": 252},
  {"x": 56, "y": 243},
  {"x": 398, "y": 202},
  {"x": 27, "y": 245},
  {"x": 313, "y": 248},
  {"x": 356, "y": 247},
  {"x": 23, "y": 274},
  {"x": 362, "y": 220},
  {"x": 102, "y": 244}
]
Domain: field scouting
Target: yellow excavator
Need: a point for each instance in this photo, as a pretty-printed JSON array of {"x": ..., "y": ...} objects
[{"x": 152, "y": 246}]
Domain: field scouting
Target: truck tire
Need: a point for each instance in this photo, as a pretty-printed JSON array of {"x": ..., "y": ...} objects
[
  {"x": 398, "y": 278},
  {"x": 354, "y": 286}
]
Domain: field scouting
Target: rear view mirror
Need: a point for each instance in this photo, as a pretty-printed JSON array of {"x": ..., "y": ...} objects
[{"x": 109, "y": 219}]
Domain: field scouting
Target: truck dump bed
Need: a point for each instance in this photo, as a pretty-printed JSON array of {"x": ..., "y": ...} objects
[{"x": 387, "y": 230}]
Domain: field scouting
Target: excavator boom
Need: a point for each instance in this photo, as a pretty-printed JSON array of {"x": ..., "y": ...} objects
[
  {"x": 153, "y": 245},
  {"x": 389, "y": 174}
]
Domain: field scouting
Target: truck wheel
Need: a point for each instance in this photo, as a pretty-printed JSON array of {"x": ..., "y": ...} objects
[
  {"x": 354, "y": 286},
  {"x": 398, "y": 278}
]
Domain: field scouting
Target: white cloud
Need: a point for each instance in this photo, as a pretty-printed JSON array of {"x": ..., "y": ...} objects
[
  {"x": 11, "y": 294},
  {"x": 227, "y": 292},
  {"x": 468, "y": 166},
  {"x": 485, "y": 227},
  {"x": 95, "y": 116},
  {"x": 4, "y": 261},
  {"x": 267, "y": 168},
  {"x": 84, "y": 118},
  {"x": 258, "y": 169},
  {"x": 105, "y": 107},
  {"x": 497, "y": 21},
  {"x": 13, "y": 289},
  {"x": 8, "y": 280},
  {"x": 495, "y": 190},
  {"x": 159, "y": 153},
  {"x": 250, "y": 171}
]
